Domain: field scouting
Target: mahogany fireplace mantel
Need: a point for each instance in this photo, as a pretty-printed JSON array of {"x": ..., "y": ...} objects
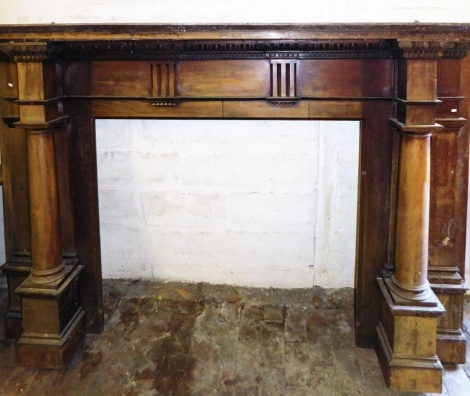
[{"x": 405, "y": 83}]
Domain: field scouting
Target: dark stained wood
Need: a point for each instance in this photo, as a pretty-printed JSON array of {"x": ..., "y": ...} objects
[
  {"x": 263, "y": 109},
  {"x": 83, "y": 185},
  {"x": 445, "y": 199},
  {"x": 315, "y": 75},
  {"x": 223, "y": 78},
  {"x": 63, "y": 185},
  {"x": 448, "y": 210},
  {"x": 155, "y": 109},
  {"x": 335, "y": 109},
  {"x": 373, "y": 215},
  {"x": 80, "y": 134},
  {"x": 463, "y": 165},
  {"x": 15, "y": 199},
  {"x": 450, "y": 168},
  {"x": 15, "y": 194},
  {"x": 393, "y": 200},
  {"x": 117, "y": 78}
]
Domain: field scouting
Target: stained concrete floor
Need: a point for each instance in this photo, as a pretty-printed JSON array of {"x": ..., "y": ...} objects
[{"x": 198, "y": 339}]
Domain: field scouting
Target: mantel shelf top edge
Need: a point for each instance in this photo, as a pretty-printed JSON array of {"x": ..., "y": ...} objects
[{"x": 379, "y": 31}]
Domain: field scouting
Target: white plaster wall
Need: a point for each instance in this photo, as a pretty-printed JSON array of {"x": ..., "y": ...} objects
[
  {"x": 240, "y": 11},
  {"x": 229, "y": 203}
]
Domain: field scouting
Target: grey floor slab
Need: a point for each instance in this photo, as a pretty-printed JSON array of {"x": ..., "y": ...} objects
[{"x": 199, "y": 339}]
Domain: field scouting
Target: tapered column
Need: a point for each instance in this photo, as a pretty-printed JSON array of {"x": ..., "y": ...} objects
[
  {"x": 409, "y": 279},
  {"x": 406, "y": 334},
  {"x": 47, "y": 263},
  {"x": 52, "y": 318}
]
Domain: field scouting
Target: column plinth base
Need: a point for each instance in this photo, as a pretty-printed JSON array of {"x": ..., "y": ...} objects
[
  {"x": 49, "y": 340},
  {"x": 51, "y": 352},
  {"x": 406, "y": 342},
  {"x": 12, "y": 324},
  {"x": 450, "y": 288},
  {"x": 407, "y": 373},
  {"x": 451, "y": 348},
  {"x": 16, "y": 271}
]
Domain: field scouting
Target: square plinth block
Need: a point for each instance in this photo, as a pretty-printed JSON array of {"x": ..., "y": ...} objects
[
  {"x": 451, "y": 342},
  {"x": 406, "y": 342},
  {"x": 53, "y": 322}
]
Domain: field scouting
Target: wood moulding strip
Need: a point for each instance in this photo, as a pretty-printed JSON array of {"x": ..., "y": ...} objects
[
  {"x": 231, "y": 98},
  {"x": 39, "y": 126}
]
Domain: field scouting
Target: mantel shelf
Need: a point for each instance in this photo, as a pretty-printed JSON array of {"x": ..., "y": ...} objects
[{"x": 380, "y": 31}]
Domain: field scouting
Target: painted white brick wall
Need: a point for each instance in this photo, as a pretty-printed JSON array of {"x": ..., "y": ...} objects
[
  {"x": 229, "y": 201},
  {"x": 198, "y": 204}
]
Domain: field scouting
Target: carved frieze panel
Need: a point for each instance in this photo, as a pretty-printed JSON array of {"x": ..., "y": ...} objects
[
  {"x": 224, "y": 49},
  {"x": 234, "y": 49},
  {"x": 432, "y": 49},
  {"x": 27, "y": 51}
]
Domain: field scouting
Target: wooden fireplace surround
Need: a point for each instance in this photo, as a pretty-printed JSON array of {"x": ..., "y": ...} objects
[{"x": 404, "y": 82}]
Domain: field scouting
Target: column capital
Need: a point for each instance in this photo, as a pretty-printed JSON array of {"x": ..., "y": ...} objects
[
  {"x": 415, "y": 130},
  {"x": 42, "y": 127},
  {"x": 452, "y": 124}
]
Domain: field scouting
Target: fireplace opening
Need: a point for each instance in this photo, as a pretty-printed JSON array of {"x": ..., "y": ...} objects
[{"x": 259, "y": 203}]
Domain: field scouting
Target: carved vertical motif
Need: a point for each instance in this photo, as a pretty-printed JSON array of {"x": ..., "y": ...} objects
[
  {"x": 163, "y": 81},
  {"x": 283, "y": 79}
]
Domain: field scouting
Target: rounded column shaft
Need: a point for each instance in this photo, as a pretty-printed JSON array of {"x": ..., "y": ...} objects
[
  {"x": 412, "y": 222},
  {"x": 46, "y": 247}
]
